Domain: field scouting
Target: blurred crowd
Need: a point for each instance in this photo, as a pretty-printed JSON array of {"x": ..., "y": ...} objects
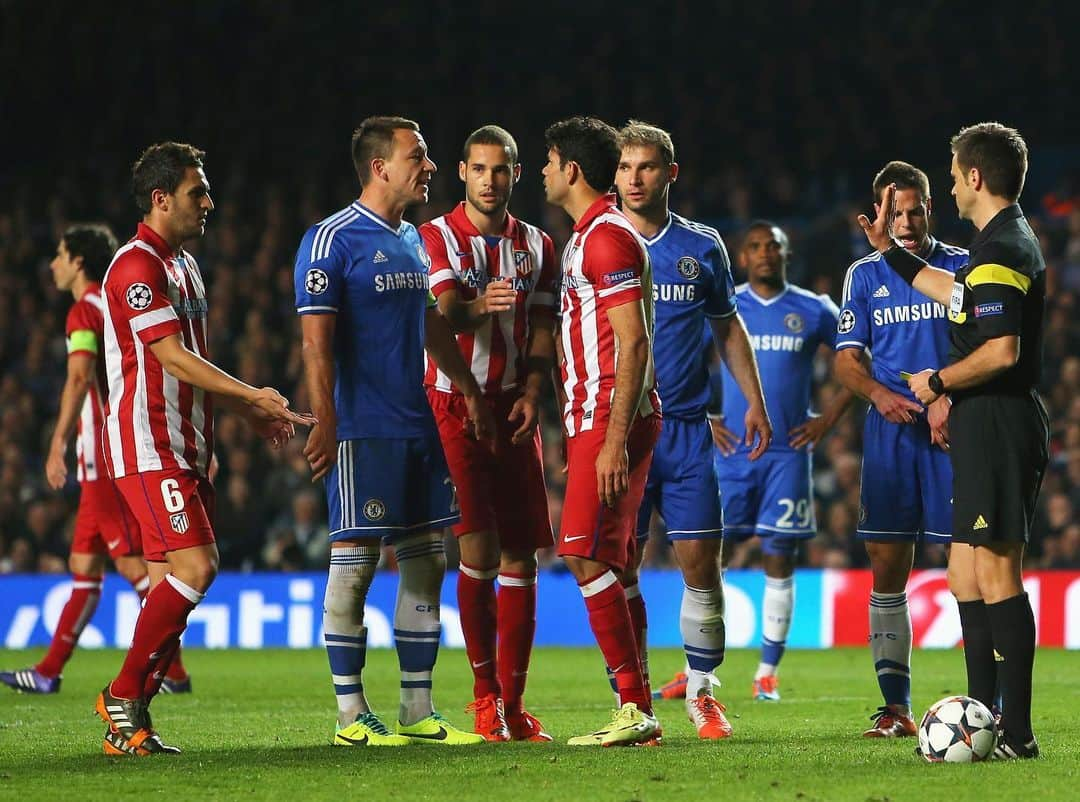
[{"x": 778, "y": 110}]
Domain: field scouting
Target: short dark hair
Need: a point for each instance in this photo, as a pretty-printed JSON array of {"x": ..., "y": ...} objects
[
  {"x": 491, "y": 135},
  {"x": 590, "y": 142},
  {"x": 904, "y": 175},
  {"x": 95, "y": 243},
  {"x": 769, "y": 225},
  {"x": 162, "y": 166},
  {"x": 639, "y": 134},
  {"x": 374, "y": 139},
  {"x": 998, "y": 152}
]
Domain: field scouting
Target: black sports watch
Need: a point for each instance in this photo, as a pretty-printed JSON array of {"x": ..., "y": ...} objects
[{"x": 935, "y": 383}]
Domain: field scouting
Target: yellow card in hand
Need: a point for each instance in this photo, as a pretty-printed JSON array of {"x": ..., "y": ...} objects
[{"x": 905, "y": 375}]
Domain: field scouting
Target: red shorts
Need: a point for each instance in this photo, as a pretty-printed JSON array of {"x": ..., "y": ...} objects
[
  {"x": 104, "y": 524},
  {"x": 502, "y": 492},
  {"x": 173, "y": 509},
  {"x": 591, "y": 529}
]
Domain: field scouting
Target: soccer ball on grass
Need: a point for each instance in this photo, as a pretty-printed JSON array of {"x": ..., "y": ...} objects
[{"x": 957, "y": 729}]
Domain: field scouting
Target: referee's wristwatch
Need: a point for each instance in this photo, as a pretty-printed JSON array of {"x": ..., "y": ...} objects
[{"x": 935, "y": 383}]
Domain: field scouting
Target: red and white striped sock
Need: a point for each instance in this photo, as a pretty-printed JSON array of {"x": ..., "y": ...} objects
[
  {"x": 517, "y": 630},
  {"x": 477, "y": 608},
  {"x": 85, "y": 594},
  {"x": 609, "y": 618}
]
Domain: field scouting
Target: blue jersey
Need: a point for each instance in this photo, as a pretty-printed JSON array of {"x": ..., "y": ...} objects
[
  {"x": 785, "y": 333},
  {"x": 902, "y": 328},
  {"x": 375, "y": 278},
  {"x": 691, "y": 282}
]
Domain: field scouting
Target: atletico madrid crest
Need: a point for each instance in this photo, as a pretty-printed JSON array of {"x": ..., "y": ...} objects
[
  {"x": 179, "y": 522},
  {"x": 523, "y": 263}
]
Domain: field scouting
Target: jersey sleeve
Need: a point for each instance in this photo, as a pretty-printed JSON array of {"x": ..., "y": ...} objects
[
  {"x": 721, "y": 300},
  {"x": 138, "y": 295},
  {"x": 997, "y": 286},
  {"x": 853, "y": 320},
  {"x": 319, "y": 275},
  {"x": 613, "y": 263},
  {"x": 83, "y": 329},
  {"x": 441, "y": 272},
  {"x": 828, "y": 320},
  {"x": 545, "y": 294}
]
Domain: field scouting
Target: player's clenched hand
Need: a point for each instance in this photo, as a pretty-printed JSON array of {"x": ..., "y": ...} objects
[
  {"x": 893, "y": 407},
  {"x": 920, "y": 386},
  {"x": 809, "y": 433},
  {"x": 612, "y": 473},
  {"x": 526, "y": 410},
  {"x": 879, "y": 231},
  {"x": 56, "y": 469},
  {"x": 277, "y": 432},
  {"x": 759, "y": 428},
  {"x": 321, "y": 449},
  {"x": 937, "y": 415},
  {"x": 481, "y": 420},
  {"x": 498, "y": 296},
  {"x": 725, "y": 439}
]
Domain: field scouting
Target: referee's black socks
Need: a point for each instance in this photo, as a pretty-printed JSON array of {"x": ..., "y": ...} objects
[
  {"x": 979, "y": 651},
  {"x": 1013, "y": 625}
]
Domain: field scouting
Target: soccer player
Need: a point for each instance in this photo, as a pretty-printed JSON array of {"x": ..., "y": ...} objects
[
  {"x": 772, "y": 497},
  {"x": 906, "y": 478},
  {"x": 692, "y": 284},
  {"x": 612, "y": 412},
  {"x": 103, "y": 526},
  {"x": 366, "y": 315},
  {"x": 998, "y": 427},
  {"x": 494, "y": 277},
  {"x": 159, "y": 424}
]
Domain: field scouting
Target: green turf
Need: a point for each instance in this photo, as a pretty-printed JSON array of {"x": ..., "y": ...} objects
[{"x": 259, "y": 724}]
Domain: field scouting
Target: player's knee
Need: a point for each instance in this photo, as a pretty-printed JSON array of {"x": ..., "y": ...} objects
[
  {"x": 890, "y": 564},
  {"x": 479, "y": 550},
  {"x": 87, "y": 565},
  {"x": 962, "y": 582},
  {"x": 523, "y": 563},
  {"x": 702, "y": 575},
  {"x": 131, "y": 568}
]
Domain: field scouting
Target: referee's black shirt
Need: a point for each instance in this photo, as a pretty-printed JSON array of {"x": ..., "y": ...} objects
[{"x": 1002, "y": 291}]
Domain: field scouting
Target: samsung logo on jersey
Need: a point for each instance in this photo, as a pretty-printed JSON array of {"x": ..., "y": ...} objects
[
  {"x": 401, "y": 281},
  {"x": 674, "y": 292},
  {"x": 911, "y": 313},
  {"x": 776, "y": 342},
  {"x": 191, "y": 308}
]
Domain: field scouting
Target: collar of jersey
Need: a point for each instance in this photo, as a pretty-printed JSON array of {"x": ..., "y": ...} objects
[
  {"x": 1010, "y": 212},
  {"x": 382, "y": 221},
  {"x": 462, "y": 221},
  {"x": 768, "y": 301},
  {"x": 660, "y": 234},
  {"x": 605, "y": 203},
  {"x": 154, "y": 240}
]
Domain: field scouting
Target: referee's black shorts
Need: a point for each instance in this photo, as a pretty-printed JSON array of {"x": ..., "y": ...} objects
[{"x": 1000, "y": 448}]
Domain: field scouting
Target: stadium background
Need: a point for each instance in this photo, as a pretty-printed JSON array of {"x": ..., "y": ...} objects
[{"x": 778, "y": 110}]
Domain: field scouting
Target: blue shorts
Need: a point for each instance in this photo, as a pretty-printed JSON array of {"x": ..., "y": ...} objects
[
  {"x": 906, "y": 483},
  {"x": 390, "y": 488},
  {"x": 770, "y": 497},
  {"x": 681, "y": 484}
]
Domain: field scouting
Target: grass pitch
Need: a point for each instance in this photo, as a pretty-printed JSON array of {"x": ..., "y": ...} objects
[{"x": 259, "y": 725}]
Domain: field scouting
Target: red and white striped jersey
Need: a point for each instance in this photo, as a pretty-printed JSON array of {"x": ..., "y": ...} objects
[
  {"x": 605, "y": 264},
  {"x": 85, "y": 335},
  {"x": 153, "y": 420},
  {"x": 462, "y": 259}
]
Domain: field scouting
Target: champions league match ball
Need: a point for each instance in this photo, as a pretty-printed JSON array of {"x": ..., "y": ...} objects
[{"x": 957, "y": 729}]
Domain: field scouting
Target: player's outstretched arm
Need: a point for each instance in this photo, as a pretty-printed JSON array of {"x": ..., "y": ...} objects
[
  {"x": 317, "y": 353},
  {"x": 263, "y": 403},
  {"x": 464, "y": 316},
  {"x": 442, "y": 347},
  {"x": 80, "y": 373},
  {"x": 632, "y": 343},
  {"x": 932, "y": 282},
  {"x": 539, "y": 357},
  {"x": 730, "y": 336}
]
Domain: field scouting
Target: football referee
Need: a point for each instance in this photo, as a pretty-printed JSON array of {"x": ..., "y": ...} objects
[{"x": 998, "y": 427}]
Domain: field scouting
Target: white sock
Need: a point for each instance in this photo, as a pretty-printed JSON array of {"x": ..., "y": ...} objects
[
  {"x": 351, "y": 571},
  {"x": 776, "y": 609},
  {"x": 701, "y": 621},
  {"x": 421, "y": 565},
  {"x": 890, "y": 645}
]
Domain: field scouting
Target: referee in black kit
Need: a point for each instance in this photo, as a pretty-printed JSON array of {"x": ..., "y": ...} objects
[{"x": 998, "y": 426}]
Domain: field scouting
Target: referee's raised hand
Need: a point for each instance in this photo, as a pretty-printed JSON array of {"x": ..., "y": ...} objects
[{"x": 879, "y": 232}]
